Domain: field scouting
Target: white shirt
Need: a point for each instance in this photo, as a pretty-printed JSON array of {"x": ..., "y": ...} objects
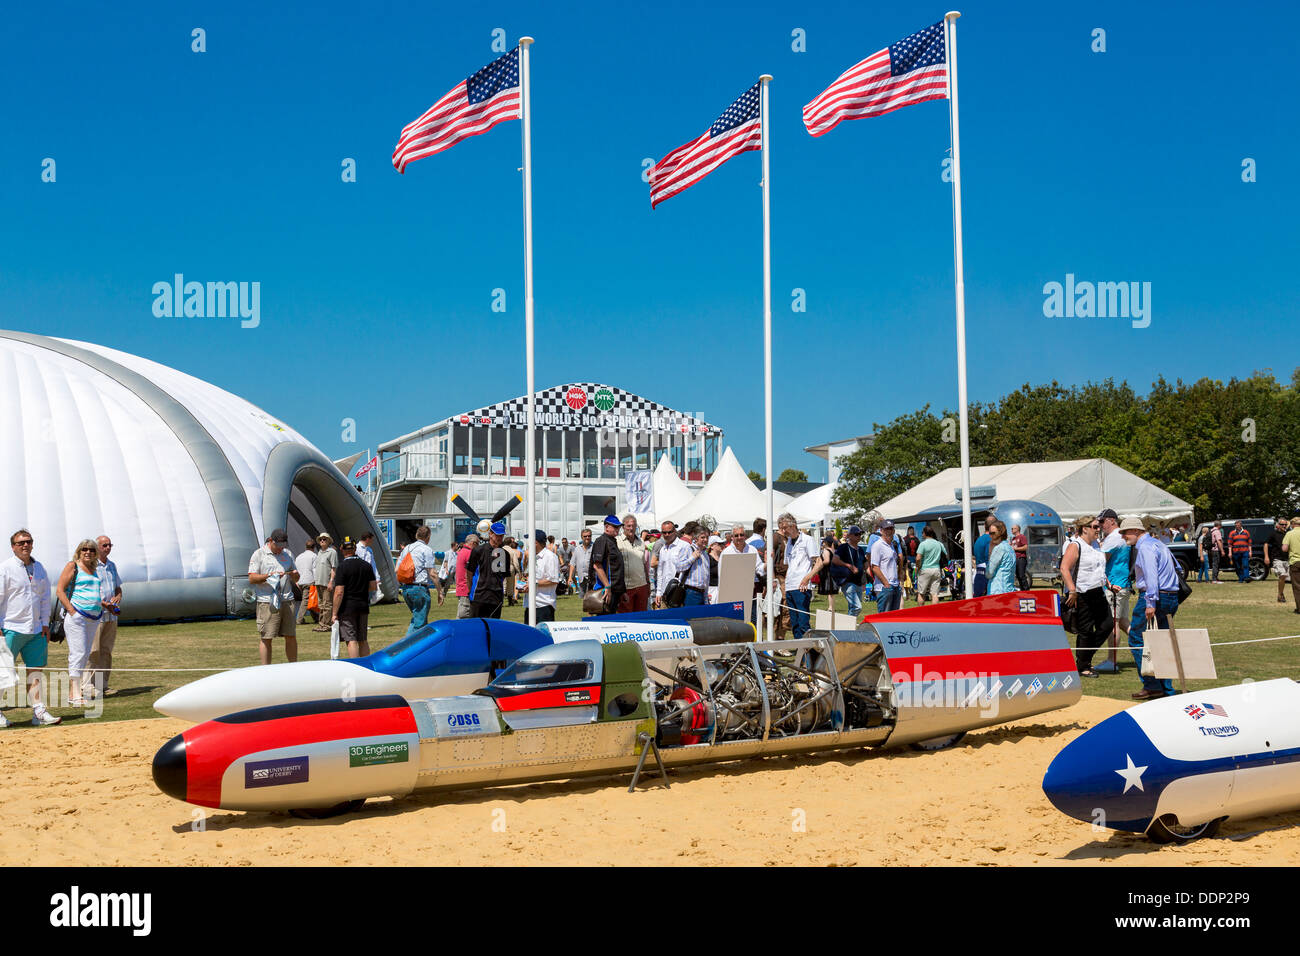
[
  {"x": 1090, "y": 569},
  {"x": 277, "y": 568},
  {"x": 548, "y": 569},
  {"x": 423, "y": 559},
  {"x": 801, "y": 553},
  {"x": 306, "y": 565},
  {"x": 368, "y": 556},
  {"x": 673, "y": 559},
  {"x": 24, "y": 601},
  {"x": 760, "y": 571},
  {"x": 885, "y": 557}
]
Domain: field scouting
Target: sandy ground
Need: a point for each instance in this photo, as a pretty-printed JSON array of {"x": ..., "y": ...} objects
[{"x": 84, "y": 796}]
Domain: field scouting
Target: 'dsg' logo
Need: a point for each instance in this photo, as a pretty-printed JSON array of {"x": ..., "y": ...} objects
[{"x": 463, "y": 720}]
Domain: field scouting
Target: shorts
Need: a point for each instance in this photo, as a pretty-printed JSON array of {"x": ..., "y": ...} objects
[
  {"x": 1119, "y": 603},
  {"x": 34, "y": 648},
  {"x": 1281, "y": 569},
  {"x": 464, "y": 608},
  {"x": 927, "y": 583},
  {"x": 273, "y": 623},
  {"x": 353, "y": 625}
]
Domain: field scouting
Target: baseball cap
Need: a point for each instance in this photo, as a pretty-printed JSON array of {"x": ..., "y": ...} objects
[
  {"x": 854, "y": 529},
  {"x": 1107, "y": 513},
  {"x": 280, "y": 536},
  {"x": 497, "y": 527},
  {"x": 539, "y": 536},
  {"x": 886, "y": 523},
  {"x": 613, "y": 519},
  {"x": 717, "y": 539}
]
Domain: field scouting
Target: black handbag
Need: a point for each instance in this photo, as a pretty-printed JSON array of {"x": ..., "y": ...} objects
[
  {"x": 1070, "y": 613},
  {"x": 57, "y": 633},
  {"x": 674, "y": 592},
  {"x": 1184, "y": 589}
]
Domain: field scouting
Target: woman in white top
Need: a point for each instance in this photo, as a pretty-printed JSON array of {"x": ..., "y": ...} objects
[{"x": 1083, "y": 569}]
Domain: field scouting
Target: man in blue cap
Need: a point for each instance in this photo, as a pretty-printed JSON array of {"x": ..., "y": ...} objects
[
  {"x": 848, "y": 568},
  {"x": 607, "y": 564},
  {"x": 488, "y": 568}
]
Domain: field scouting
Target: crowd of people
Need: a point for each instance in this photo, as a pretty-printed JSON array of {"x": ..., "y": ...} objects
[{"x": 627, "y": 569}]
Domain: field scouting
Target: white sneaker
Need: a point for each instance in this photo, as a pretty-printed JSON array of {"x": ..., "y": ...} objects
[{"x": 43, "y": 718}]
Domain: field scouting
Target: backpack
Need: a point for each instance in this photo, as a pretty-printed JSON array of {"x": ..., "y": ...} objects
[{"x": 406, "y": 569}]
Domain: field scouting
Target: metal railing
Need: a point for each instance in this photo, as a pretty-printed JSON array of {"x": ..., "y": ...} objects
[{"x": 413, "y": 466}]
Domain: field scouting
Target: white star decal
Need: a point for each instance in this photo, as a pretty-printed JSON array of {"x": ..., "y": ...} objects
[{"x": 1132, "y": 775}]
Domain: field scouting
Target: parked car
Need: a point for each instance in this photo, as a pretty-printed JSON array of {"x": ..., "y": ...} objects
[{"x": 1259, "y": 528}]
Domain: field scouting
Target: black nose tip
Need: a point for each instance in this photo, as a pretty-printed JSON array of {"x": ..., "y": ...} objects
[{"x": 169, "y": 770}]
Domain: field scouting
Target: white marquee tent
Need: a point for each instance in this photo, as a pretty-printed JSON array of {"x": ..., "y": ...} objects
[
  {"x": 1072, "y": 488},
  {"x": 669, "y": 491},
  {"x": 815, "y": 505},
  {"x": 728, "y": 496}
]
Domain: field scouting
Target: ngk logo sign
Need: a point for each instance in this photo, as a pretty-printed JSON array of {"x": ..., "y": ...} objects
[{"x": 576, "y": 398}]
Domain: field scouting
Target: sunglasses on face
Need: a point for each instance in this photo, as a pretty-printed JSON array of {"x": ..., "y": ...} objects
[
  {"x": 89, "y": 550},
  {"x": 27, "y": 543}
]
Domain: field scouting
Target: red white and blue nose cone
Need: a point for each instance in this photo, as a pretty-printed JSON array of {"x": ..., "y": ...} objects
[{"x": 1112, "y": 776}]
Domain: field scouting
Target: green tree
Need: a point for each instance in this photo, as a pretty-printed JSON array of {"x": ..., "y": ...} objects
[
  {"x": 1226, "y": 449},
  {"x": 792, "y": 474},
  {"x": 755, "y": 477}
]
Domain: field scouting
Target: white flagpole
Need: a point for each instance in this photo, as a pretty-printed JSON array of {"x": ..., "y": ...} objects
[
  {"x": 950, "y": 49},
  {"x": 764, "y": 80},
  {"x": 525, "y": 114}
]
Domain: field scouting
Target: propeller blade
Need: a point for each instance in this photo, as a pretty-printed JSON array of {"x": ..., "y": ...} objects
[
  {"x": 459, "y": 502},
  {"x": 508, "y": 507}
]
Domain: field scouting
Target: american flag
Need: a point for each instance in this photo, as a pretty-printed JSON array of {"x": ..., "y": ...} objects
[
  {"x": 488, "y": 97},
  {"x": 913, "y": 70},
  {"x": 737, "y": 130},
  {"x": 1215, "y": 709}
]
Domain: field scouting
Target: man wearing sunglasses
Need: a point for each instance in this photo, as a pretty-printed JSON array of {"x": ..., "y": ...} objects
[{"x": 25, "y": 613}]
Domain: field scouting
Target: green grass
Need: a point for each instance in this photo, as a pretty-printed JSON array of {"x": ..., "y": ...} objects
[{"x": 1231, "y": 612}]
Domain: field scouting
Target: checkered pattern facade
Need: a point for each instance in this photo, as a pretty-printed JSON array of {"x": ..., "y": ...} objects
[{"x": 578, "y": 406}]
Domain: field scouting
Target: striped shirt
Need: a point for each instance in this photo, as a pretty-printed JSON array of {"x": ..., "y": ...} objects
[{"x": 86, "y": 593}]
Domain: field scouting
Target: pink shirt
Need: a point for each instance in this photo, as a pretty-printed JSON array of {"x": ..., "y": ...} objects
[{"x": 462, "y": 583}]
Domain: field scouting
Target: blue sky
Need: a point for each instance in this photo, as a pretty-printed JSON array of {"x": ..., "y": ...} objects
[{"x": 376, "y": 295}]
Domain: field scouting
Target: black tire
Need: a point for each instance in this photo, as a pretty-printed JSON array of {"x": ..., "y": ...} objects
[
  {"x": 1258, "y": 569},
  {"x": 939, "y": 743},
  {"x": 1166, "y": 830},
  {"x": 324, "y": 813}
]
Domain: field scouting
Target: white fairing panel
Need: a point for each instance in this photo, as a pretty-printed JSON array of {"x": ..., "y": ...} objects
[
  {"x": 248, "y": 688},
  {"x": 1251, "y": 718},
  {"x": 85, "y": 456}
]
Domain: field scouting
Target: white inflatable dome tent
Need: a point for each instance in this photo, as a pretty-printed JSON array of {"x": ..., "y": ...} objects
[{"x": 187, "y": 479}]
